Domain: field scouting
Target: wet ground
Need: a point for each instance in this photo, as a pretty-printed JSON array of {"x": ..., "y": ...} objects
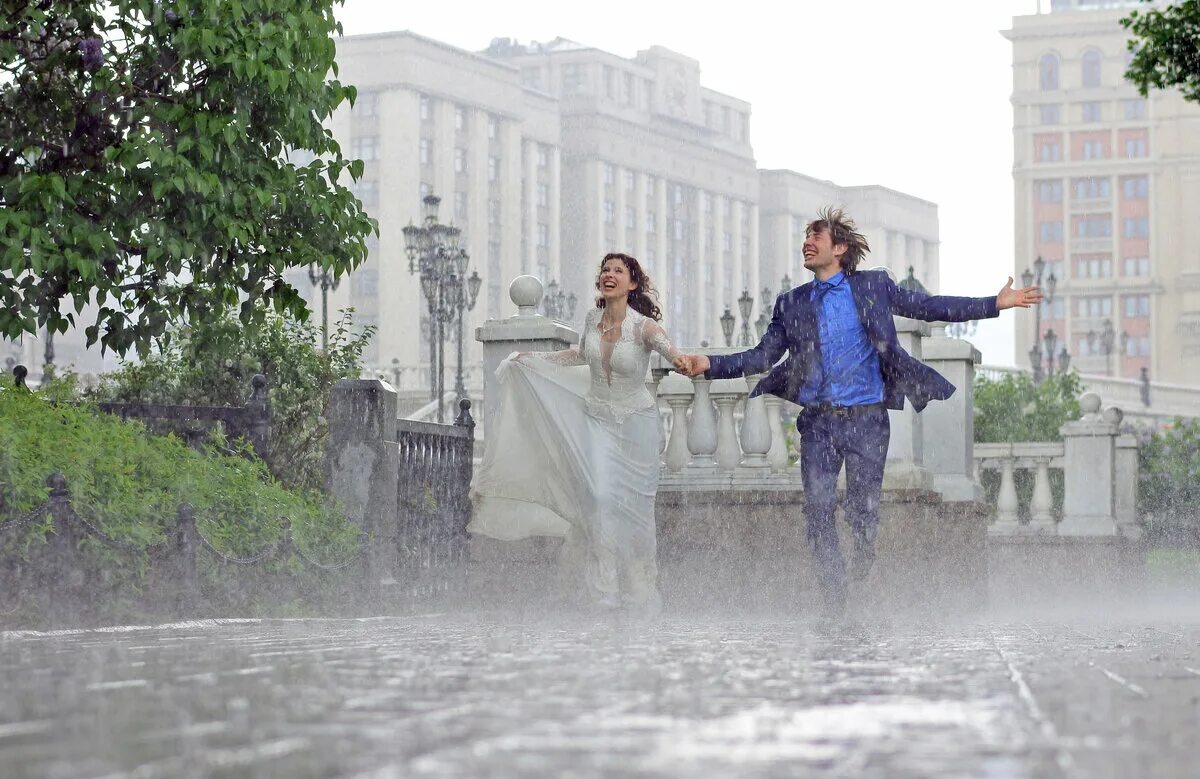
[{"x": 440, "y": 696}]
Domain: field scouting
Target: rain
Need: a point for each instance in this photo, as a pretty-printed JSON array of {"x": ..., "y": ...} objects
[{"x": 632, "y": 391}]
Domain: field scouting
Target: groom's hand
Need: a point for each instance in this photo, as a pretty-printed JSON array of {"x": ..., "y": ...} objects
[
  {"x": 1017, "y": 298},
  {"x": 692, "y": 365}
]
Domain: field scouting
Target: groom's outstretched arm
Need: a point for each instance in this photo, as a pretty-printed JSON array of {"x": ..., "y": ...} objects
[
  {"x": 946, "y": 308},
  {"x": 747, "y": 363}
]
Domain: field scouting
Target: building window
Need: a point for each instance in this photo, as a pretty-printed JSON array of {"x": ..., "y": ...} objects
[
  {"x": 610, "y": 212},
  {"x": 1093, "y": 226},
  {"x": 1135, "y": 187},
  {"x": 1137, "y": 266},
  {"x": 460, "y": 160},
  {"x": 460, "y": 118},
  {"x": 1093, "y": 266},
  {"x": 1054, "y": 309},
  {"x": 1048, "y": 232},
  {"x": 1091, "y": 112},
  {"x": 1091, "y": 188},
  {"x": 426, "y": 151},
  {"x": 680, "y": 226},
  {"x": 630, "y": 217},
  {"x": 1048, "y": 114},
  {"x": 1135, "y": 148},
  {"x": 493, "y": 211},
  {"x": 543, "y": 155},
  {"x": 425, "y": 189},
  {"x": 1093, "y": 150},
  {"x": 727, "y": 241},
  {"x": 1137, "y": 306},
  {"x": 1093, "y": 307},
  {"x": 1049, "y": 151},
  {"x": 610, "y": 174},
  {"x": 543, "y": 195},
  {"x": 367, "y": 192},
  {"x": 493, "y": 127},
  {"x": 1091, "y": 68},
  {"x": 610, "y": 82},
  {"x": 677, "y": 195},
  {"x": 1135, "y": 108},
  {"x": 366, "y": 104},
  {"x": 574, "y": 80},
  {"x": 1138, "y": 346},
  {"x": 1137, "y": 227},
  {"x": 1049, "y": 191},
  {"x": 543, "y": 234},
  {"x": 629, "y": 93},
  {"x": 364, "y": 147},
  {"x": 493, "y": 168},
  {"x": 651, "y": 222},
  {"x": 460, "y": 205},
  {"x": 426, "y": 109},
  {"x": 630, "y": 181},
  {"x": 1048, "y": 72},
  {"x": 364, "y": 283}
]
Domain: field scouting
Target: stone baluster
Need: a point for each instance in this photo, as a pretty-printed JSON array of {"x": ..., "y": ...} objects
[
  {"x": 729, "y": 453},
  {"x": 1007, "y": 506},
  {"x": 777, "y": 455},
  {"x": 656, "y": 377},
  {"x": 756, "y": 435},
  {"x": 1041, "y": 507},
  {"x": 677, "y": 392},
  {"x": 1088, "y": 470},
  {"x": 702, "y": 429}
]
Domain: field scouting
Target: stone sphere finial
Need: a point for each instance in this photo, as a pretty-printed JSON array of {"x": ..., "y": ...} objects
[
  {"x": 1113, "y": 415},
  {"x": 526, "y": 292},
  {"x": 1089, "y": 403}
]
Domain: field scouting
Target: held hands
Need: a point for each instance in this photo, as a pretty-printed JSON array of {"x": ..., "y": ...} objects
[
  {"x": 1017, "y": 298},
  {"x": 691, "y": 365}
]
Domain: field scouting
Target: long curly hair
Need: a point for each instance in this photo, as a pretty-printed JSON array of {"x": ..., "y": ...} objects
[{"x": 643, "y": 299}]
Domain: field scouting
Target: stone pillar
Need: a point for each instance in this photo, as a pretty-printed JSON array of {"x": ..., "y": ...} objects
[
  {"x": 948, "y": 426},
  {"x": 528, "y": 331},
  {"x": 362, "y": 460},
  {"x": 905, "y": 468},
  {"x": 754, "y": 467},
  {"x": 1126, "y": 486},
  {"x": 1089, "y": 469}
]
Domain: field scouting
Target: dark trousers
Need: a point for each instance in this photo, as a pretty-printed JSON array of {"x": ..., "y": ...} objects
[{"x": 858, "y": 437}]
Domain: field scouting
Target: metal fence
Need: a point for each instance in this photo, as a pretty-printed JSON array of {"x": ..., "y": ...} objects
[{"x": 433, "y": 507}]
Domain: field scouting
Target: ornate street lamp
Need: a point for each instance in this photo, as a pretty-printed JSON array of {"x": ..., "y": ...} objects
[
  {"x": 745, "y": 304},
  {"x": 396, "y": 372},
  {"x": 785, "y": 284},
  {"x": 1030, "y": 278},
  {"x": 764, "y": 318},
  {"x": 319, "y": 276},
  {"x": 727, "y": 321},
  {"x": 1106, "y": 342},
  {"x": 434, "y": 252},
  {"x": 557, "y": 304}
]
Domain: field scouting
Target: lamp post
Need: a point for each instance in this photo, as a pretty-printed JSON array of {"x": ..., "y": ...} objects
[
  {"x": 396, "y": 372},
  {"x": 727, "y": 321},
  {"x": 1031, "y": 278},
  {"x": 745, "y": 304},
  {"x": 557, "y": 304},
  {"x": 764, "y": 318},
  {"x": 1106, "y": 342},
  {"x": 435, "y": 255},
  {"x": 319, "y": 276}
]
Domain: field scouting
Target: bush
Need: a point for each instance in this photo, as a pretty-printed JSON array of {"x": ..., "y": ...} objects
[
  {"x": 1013, "y": 409},
  {"x": 1169, "y": 484},
  {"x": 129, "y": 484},
  {"x": 213, "y": 365}
]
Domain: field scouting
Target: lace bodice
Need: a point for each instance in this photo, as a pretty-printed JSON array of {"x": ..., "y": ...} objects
[{"x": 618, "y": 360}]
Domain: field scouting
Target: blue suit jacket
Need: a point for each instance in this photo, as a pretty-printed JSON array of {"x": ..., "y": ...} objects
[{"x": 793, "y": 330}]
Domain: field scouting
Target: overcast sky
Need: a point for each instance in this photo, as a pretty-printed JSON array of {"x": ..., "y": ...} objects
[{"x": 910, "y": 95}]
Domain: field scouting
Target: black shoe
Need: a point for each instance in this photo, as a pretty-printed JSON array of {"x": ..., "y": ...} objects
[{"x": 861, "y": 560}]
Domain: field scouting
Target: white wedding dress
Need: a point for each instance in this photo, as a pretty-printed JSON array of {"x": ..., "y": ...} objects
[{"x": 574, "y": 453}]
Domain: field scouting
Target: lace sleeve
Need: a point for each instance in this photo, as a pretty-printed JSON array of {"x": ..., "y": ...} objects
[{"x": 655, "y": 339}]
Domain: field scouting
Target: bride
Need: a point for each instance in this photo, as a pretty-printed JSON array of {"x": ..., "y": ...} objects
[{"x": 575, "y": 451}]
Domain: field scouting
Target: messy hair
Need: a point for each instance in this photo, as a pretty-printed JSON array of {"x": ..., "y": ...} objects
[
  {"x": 842, "y": 230},
  {"x": 642, "y": 299}
]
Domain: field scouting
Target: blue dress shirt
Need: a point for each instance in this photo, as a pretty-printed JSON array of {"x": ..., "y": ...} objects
[{"x": 849, "y": 372}]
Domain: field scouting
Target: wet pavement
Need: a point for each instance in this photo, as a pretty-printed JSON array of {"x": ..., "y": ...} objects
[{"x": 491, "y": 696}]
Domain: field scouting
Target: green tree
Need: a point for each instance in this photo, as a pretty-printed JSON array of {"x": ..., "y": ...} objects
[
  {"x": 1013, "y": 408},
  {"x": 214, "y": 363},
  {"x": 1169, "y": 484},
  {"x": 1166, "y": 48},
  {"x": 167, "y": 161}
]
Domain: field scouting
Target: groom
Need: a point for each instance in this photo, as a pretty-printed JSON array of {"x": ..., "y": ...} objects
[{"x": 846, "y": 368}]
